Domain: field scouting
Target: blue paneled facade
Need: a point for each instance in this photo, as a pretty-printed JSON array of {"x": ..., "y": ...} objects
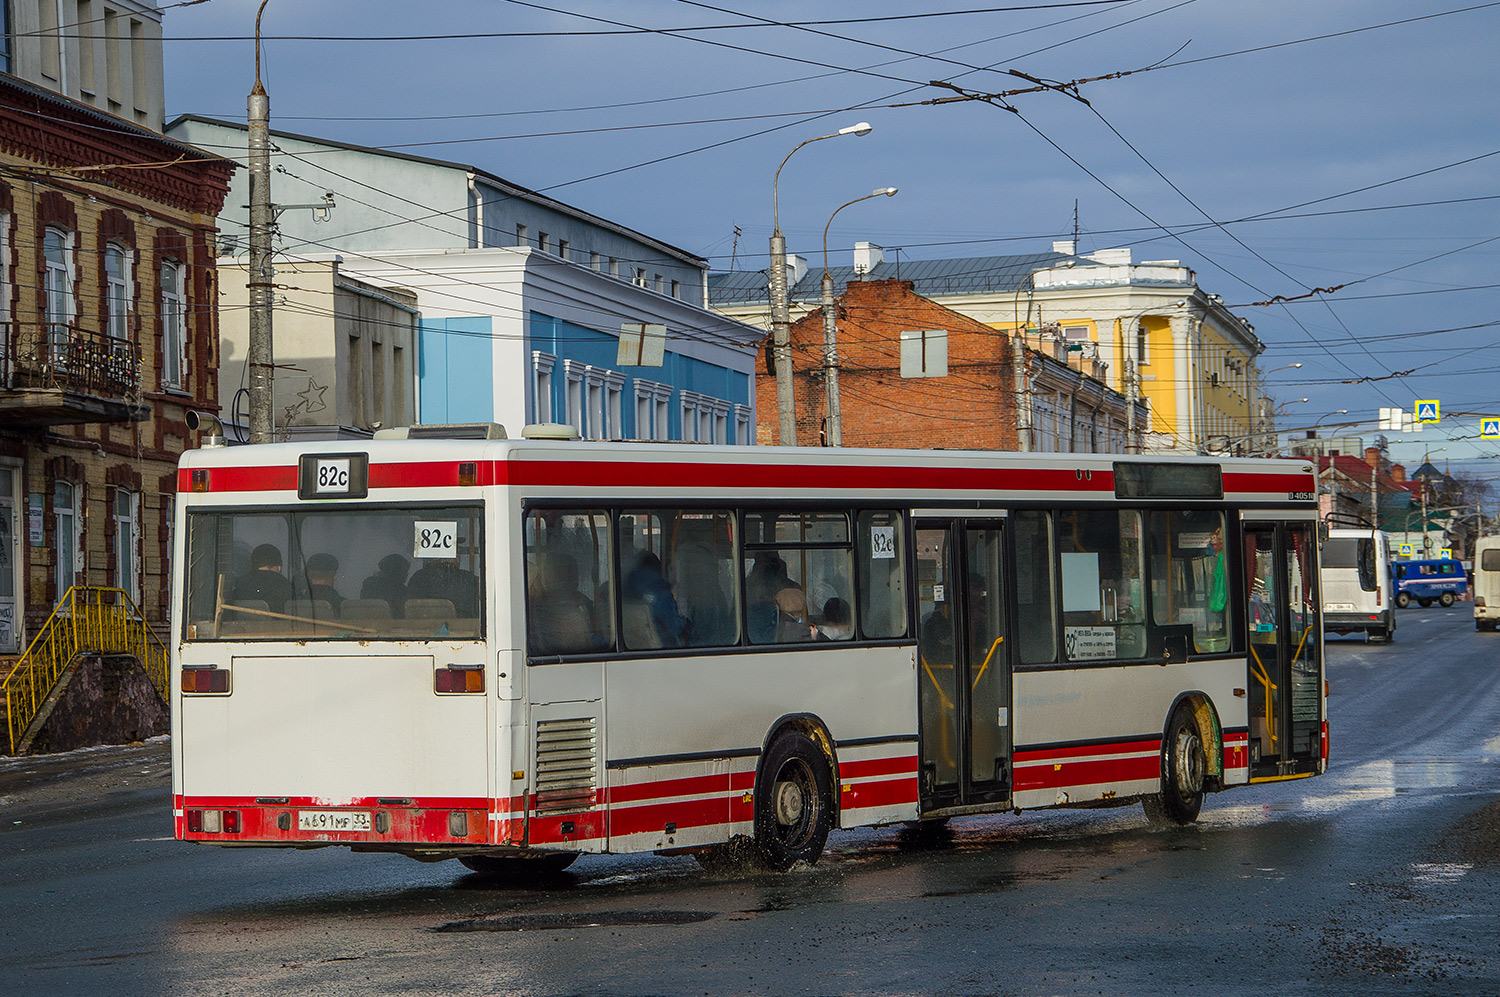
[
  {"x": 575, "y": 379},
  {"x": 457, "y": 369}
]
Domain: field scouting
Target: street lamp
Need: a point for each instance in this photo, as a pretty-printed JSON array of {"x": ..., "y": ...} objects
[
  {"x": 781, "y": 338},
  {"x": 835, "y": 431}
]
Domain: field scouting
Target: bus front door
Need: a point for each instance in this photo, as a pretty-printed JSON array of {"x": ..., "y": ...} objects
[
  {"x": 963, "y": 668},
  {"x": 1285, "y": 660}
]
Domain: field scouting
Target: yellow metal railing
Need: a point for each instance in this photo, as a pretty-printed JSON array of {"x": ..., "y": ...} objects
[{"x": 85, "y": 620}]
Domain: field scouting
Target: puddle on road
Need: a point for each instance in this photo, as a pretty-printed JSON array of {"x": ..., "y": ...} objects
[{"x": 585, "y": 919}]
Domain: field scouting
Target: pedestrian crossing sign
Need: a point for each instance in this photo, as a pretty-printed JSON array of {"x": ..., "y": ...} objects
[
  {"x": 1489, "y": 428},
  {"x": 1446, "y": 553},
  {"x": 1427, "y": 410},
  {"x": 1406, "y": 550}
]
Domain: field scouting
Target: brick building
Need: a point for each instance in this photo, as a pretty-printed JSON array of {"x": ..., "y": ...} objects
[
  {"x": 108, "y": 337},
  {"x": 913, "y": 373}
]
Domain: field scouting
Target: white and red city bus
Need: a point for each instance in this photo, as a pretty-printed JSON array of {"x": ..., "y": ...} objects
[{"x": 512, "y": 652}]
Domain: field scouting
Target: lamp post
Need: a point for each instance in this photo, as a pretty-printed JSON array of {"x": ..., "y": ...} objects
[
  {"x": 835, "y": 431},
  {"x": 259, "y": 354},
  {"x": 786, "y": 413}
]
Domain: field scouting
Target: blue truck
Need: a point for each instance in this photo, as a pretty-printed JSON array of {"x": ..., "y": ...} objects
[{"x": 1426, "y": 582}]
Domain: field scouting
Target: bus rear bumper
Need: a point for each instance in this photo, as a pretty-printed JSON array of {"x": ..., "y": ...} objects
[{"x": 303, "y": 823}]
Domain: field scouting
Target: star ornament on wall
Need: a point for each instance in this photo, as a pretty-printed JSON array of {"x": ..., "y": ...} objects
[{"x": 312, "y": 396}]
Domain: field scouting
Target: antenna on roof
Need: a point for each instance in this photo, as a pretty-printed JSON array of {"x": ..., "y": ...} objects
[{"x": 1075, "y": 224}]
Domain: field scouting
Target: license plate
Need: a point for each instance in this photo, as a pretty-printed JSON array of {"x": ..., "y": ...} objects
[
  {"x": 1339, "y": 607},
  {"x": 333, "y": 820}
]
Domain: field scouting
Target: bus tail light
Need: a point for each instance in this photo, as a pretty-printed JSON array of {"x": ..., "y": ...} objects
[
  {"x": 213, "y": 821},
  {"x": 459, "y": 678},
  {"x": 210, "y": 679}
]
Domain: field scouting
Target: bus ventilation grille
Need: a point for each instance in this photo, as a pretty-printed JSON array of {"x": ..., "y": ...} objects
[{"x": 566, "y": 761}]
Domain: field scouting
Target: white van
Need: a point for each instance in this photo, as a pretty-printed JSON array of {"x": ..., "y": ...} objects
[
  {"x": 1486, "y": 583},
  {"x": 1358, "y": 596}
]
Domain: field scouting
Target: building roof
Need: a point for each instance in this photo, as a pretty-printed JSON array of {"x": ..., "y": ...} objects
[
  {"x": 106, "y": 123},
  {"x": 509, "y": 188},
  {"x": 1359, "y": 470},
  {"x": 930, "y": 278}
]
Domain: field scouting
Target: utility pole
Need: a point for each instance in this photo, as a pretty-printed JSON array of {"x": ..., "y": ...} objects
[
  {"x": 1131, "y": 446},
  {"x": 262, "y": 272}
]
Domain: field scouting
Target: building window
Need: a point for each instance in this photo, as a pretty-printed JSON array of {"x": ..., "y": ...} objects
[
  {"x": 520, "y": 235},
  {"x": 128, "y": 543},
  {"x": 544, "y": 242},
  {"x": 651, "y": 410},
  {"x": 924, "y": 353},
  {"x": 541, "y": 386},
  {"x": 1142, "y": 347},
  {"x": 656, "y": 283},
  {"x": 614, "y": 267},
  {"x": 117, "y": 291},
  {"x": 173, "y": 332},
  {"x": 595, "y": 260},
  {"x": 562, "y": 248},
  {"x": 65, "y": 539},
  {"x": 677, "y": 289},
  {"x": 58, "y": 314}
]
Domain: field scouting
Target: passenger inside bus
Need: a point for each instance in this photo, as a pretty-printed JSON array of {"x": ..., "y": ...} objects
[
  {"x": 766, "y": 578},
  {"x": 322, "y": 572},
  {"x": 561, "y": 616},
  {"x": 388, "y": 583},
  {"x": 264, "y": 581},
  {"x": 838, "y": 623},
  {"x": 650, "y": 610},
  {"x": 791, "y": 616},
  {"x": 708, "y": 609},
  {"x": 441, "y": 580}
]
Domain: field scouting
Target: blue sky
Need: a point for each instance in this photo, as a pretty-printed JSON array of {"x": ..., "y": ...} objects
[{"x": 1385, "y": 134}]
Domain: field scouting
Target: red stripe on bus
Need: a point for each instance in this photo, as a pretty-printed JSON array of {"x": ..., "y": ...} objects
[
  {"x": 1261, "y": 484},
  {"x": 656, "y": 816},
  {"x": 1093, "y": 773},
  {"x": 641, "y": 474},
  {"x": 691, "y": 786},
  {"x": 1033, "y": 756},
  {"x": 892, "y": 792},
  {"x": 869, "y": 768}
]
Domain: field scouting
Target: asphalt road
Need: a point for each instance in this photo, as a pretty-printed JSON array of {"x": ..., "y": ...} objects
[{"x": 1378, "y": 878}]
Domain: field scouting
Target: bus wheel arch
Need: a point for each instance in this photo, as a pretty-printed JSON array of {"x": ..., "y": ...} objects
[
  {"x": 1192, "y": 761},
  {"x": 796, "y": 797}
]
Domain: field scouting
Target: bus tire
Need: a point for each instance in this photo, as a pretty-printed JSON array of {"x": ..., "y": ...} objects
[
  {"x": 1446, "y": 599},
  {"x": 1183, "y": 770},
  {"x": 519, "y": 866},
  {"x": 1403, "y": 599},
  {"x": 793, "y": 802},
  {"x": 1425, "y": 602}
]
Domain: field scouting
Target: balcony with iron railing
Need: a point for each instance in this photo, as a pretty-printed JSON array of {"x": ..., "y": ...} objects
[{"x": 62, "y": 374}]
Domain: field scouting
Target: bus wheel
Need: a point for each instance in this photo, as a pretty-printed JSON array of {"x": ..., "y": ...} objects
[
  {"x": 1403, "y": 599},
  {"x": 1446, "y": 599},
  {"x": 793, "y": 802},
  {"x": 518, "y": 866},
  {"x": 1425, "y": 602},
  {"x": 1183, "y": 769}
]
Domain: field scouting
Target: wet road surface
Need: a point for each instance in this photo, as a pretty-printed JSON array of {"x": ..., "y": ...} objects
[{"x": 1382, "y": 877}]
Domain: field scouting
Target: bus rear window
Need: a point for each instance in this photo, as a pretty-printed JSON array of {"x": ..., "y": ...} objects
[
  {"x": 348, "y": 573},
  {"x": 1490, "y": 560}
]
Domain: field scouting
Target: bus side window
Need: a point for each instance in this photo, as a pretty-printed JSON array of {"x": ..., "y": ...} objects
[
  {"x": 1189, "y": 578},
  {"x": 882, "y": 573},
  {"x": 567, "y": 572},
  {"x": 1036, "y": 622},
  {"x": 1103, "y": 584}
]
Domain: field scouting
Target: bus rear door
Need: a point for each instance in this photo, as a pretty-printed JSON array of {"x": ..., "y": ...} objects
[
  {"x": 1285, "y": 659},
  {"x": 963, "y": 666}
]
